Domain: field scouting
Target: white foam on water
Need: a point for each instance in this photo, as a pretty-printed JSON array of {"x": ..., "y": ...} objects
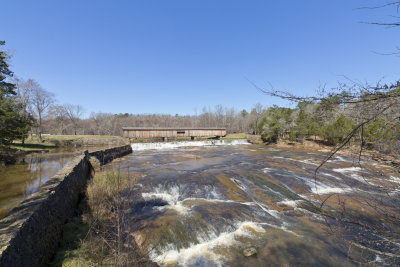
[
  {"x": 267, "y": 170},
  {"x": 333, "y": 176},
  {"x": 170, "y": 196},
  {"x": 315, "y": 216},
  {"x": 214, "y": 194},
  {"x": 264, "y": 207},
  {"x": 282, "y": 227},
  {"x": 178, "y": 144},
  {"x": 239, "y": 184},
  {"x": 217, "y": 201},
  {"x": 318, "y": 187},
  {"x": 294, "y": 203},
  {"x": 306, "y": 161},
  {"x": 322, "y": 188},
  {"x": 394, "y": 192},
  {"x": 340, "y": 158},
  {"x": 197, "y": 254},
  {"x": 378, "y": 258},
  {"x": 346, "y": 170},
  {"x": 290, "y": 203},
  {"x": 352, "y": 175},
  {"x": 394, "y": 179},
  {"x": 359, "y": 178},
  {"x": 274, "y": 213}
]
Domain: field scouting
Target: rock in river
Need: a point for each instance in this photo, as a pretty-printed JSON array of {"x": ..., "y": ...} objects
[{"x": 249, "y": 252}]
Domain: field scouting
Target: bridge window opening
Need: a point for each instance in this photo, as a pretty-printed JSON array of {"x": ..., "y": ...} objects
[{"x": 181, "y": 132}]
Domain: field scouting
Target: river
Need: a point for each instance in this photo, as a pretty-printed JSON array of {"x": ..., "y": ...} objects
[
  {"x": 17, "y": 181},
  {"x": 208, "y": 206}
]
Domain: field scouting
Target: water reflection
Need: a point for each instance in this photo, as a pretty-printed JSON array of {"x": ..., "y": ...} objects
[
  {"x": 31, "y": 171},
  {"x": 24, "y": 178}
]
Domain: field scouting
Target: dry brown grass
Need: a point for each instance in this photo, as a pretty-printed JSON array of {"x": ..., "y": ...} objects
[
  {"x": 102, "y": 193},
  {"x": 107, "y": 241}
]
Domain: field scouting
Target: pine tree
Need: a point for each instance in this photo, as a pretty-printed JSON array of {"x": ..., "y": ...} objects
[{"x": 12, "y": 124}]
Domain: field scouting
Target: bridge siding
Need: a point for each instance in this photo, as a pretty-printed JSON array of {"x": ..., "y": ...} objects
[{"x": 152, "y": 133}]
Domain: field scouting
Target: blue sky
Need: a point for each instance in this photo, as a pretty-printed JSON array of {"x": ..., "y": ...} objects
[{"x": 171, "y": 56}]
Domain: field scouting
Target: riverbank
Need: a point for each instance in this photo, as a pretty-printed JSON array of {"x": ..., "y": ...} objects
[
  {"x": 351, "y": 150},
  {"x": 10, "y": 155},
  {"x": 78, "y": 140}
]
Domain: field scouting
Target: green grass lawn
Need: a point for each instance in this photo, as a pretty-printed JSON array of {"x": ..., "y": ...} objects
[
  {"x": 235, "y": 136},
  {"x": 74, "y": 137},
  {"x": 31, "y": 147},
  {"x": 52, "y": 141},
  {"x": 47, "y": 139}
]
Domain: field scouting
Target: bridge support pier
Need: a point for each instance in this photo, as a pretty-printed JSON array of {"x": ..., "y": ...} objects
[
  {"x": 193, "y": 138},
  {"x": 165, "y": 139}
]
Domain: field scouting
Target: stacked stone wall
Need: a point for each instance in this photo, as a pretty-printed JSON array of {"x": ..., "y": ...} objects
[{"x": 30, "y": 232}]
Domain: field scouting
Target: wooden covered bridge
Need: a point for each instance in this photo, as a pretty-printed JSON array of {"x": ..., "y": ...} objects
[{"x": 165, "y": 133}]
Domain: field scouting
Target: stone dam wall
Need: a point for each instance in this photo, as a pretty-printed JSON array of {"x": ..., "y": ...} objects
[
  {"x": 30, "y": 232},
  {"x": 107, "y": 155}
]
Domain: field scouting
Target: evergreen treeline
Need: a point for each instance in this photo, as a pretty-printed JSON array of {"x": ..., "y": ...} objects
[{"x": 14, "y": 122}]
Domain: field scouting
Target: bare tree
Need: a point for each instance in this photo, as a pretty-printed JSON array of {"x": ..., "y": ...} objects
[
  {"x": 24, "y": 92},
  {"x": 256, "y": 113},
  {"x": 58, "y": 120},
  {"x": 395, "y": 20},
  {"x": 74, "y": 113},
  {"x": 41, "y": 101},
  {"x": 391, "y": 4},
  {"x": 219, "y": 115}
]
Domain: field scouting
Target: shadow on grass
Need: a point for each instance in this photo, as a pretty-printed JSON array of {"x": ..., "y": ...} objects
[
  {"x": 32, "y": 146},
  {"x": 74, "y": 232}
]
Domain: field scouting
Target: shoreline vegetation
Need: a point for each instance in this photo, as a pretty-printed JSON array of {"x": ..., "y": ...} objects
[
  {"x": 10, "y": 154},
  {"x": 95, "y": 236},
  {"x": 351, "y": 149}
]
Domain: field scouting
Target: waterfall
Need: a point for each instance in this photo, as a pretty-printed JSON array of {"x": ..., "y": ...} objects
[{"x": 177, "y": 144}]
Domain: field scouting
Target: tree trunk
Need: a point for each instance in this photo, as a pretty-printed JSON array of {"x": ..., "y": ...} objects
[{"x": 40, "y": 127}]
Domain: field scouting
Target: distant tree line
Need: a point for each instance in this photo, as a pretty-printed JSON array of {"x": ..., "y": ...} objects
[
  {"x": 62, "y": 119},
  {"x": 26, "y": 108},
  {"x": 370, "y": 114},
  {"x": 367, "y": 114}
]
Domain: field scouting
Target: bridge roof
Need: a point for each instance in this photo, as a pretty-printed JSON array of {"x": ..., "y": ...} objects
[{"x": 167, "y": 129}]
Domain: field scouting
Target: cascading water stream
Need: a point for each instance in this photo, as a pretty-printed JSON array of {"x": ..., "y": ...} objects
[
  {"x": 206, "y": 206},
  {"x": 177, "y": 144}
]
